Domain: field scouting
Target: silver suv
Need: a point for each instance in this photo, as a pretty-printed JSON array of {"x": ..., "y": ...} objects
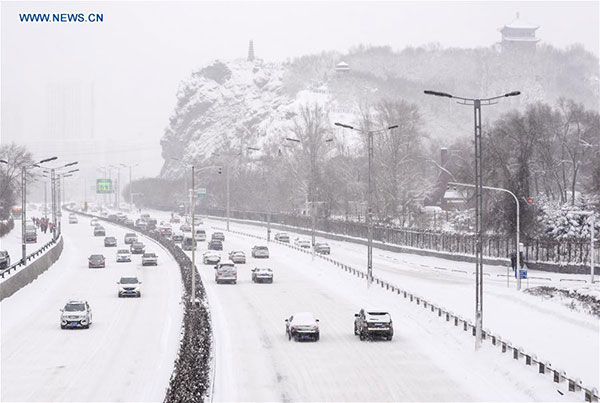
[
  {"x": 76, "y": 314},
  {"x": 129, "y": 287}
]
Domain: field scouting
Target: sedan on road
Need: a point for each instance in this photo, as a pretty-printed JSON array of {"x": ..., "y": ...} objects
[
  {"x": 99, "y": 231},
  {"x": 129, "y": 287},
  {"x": 137, "y": 248},
  {"x": 123, "y": 255},
  {"x": 262, "y": 275},
  {"x": 215, "y": 245},
  {"x": 210, "y": 257},
  {"x": 149, "y": 259},
  {"x": 259, "y": 251},
  {"x": 96, "y": 262},
  {"x": 370, "y": 323},
  {"x": 237, "y": 256},
  {"x": 110, "y": 241},
  {"x": 302, "y": 325}
]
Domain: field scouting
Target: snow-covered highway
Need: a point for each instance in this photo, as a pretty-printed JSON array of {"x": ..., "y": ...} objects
[
  {"x": 128, "y": 352},
  {"x": 426, "y": 361},
  {"x": 565, "y": 337}
]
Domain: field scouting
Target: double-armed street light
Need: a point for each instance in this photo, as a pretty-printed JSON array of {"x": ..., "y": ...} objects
[
  {"x": 477, "y": 103},
  {"x": 370, "y": 187}
]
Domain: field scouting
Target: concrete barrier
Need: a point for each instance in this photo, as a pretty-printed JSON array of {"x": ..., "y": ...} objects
[{"x": 29, "y": 273}]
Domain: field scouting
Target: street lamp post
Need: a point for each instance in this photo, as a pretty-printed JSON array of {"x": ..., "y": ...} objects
[
  {"x": 24, "y": 203},
  {"x": 130, "y": 183},
  {"x": 477, "y": 103},
  {"x": 370, "y": 187},
  {"x": 518, "y": 242}
]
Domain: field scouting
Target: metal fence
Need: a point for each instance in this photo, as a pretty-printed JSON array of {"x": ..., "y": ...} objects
[{"x": 574, "y": 251}]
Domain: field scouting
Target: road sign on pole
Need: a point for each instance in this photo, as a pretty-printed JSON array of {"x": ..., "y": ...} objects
[{"x": 201, "y": 193}]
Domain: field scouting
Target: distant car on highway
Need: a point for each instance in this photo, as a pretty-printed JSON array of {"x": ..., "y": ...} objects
[
  {"x": 225, "y": 273},
  {"x": 218, "y": 236},
  {"x": 215, "y": 245},
  {"x": 149, "y": 259},
  {"x": 302, "y": 325},
  {"x": 123, "y": 255},
  {"x": 99, "y": 231},
  {"x": 323, "y": 248},
  {"x": 177, "y": 237},
  {"x": 110, "y": 241},
  {"x": 200, "y": 235},
  {"x": 130, "y": 237},
  {"x": 302, "y": 243},
  {"x": 237, "y": 256},
  {"x": 260, "y": 251},
  {"x": 137, "y": 248},
  {"x": 165, "y": 230},
  {"x": 76, "y": 314},
  {"x": 282, "y": 237},
  {"x": 96, "y": 261},
  {"x": 4, "y": 259},
  {"x": 210, "y": 257},
  {"x": 262, "y": 275},
  {"x": 30, "y": 233},
  {"x": 369, "y": 323},
  {"x": 185, "y": 228},
  {"x": 73, "y": 219},
  {"x": 175, "y": 219},
  {"x": 129, "y": 287},
  {"x": 129, "y": 221},
  {"x": 141, "y": 225},
  {"x": 188, "y": 242}
]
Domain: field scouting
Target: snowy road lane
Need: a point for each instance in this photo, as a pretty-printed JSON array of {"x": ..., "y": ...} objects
[
  {"x": 553, "y": 331},
  {"x": 128, "y": 352},
  {"x": 426, "y": 361}
]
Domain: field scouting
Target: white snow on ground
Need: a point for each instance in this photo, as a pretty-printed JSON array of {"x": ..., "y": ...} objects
[
  {"x": 570, "y": 340},
  {"x": 428, "y": 359},
  {"x": 11, "y": 242},
  {"x": 127, "y": 354}
]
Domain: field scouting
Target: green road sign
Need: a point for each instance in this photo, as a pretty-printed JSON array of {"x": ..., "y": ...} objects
[
  {"x": 104, "y": 186},
  {"x": 201, "y": 193}
]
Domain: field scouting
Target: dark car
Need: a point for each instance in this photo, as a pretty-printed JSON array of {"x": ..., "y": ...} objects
[
  {"x": 110, "y": 241},
  {"x": 177, "y": 237},
  {"x": 99, "y": 231},
  {"x": 96, "y": 261},
  {"x": 185, "y": 228},
  {"x": 218, "y": 236},
  {"x": 215, "y": 245},
  {"x": 4, "y": 259},
  {"x": 370, "y": 323},
  {"x": 141, "y": 225},
  {"x": 112, "y": 217},
  {"x": 137, "y": 248},
  {"x": 323, "y": 248}
]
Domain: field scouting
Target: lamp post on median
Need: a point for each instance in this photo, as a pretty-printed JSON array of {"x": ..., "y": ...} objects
[
  {"x": 477, "y": 103},
  {"x": 370, "y": 186},
  {"x": 130, "y": 184}
]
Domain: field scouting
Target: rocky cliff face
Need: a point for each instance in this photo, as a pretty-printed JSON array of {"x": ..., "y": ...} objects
[{"x": 235, "y": 104}]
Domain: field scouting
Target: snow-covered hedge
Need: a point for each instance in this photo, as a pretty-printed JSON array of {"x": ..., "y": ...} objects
[{"x": 6, "y": 226}]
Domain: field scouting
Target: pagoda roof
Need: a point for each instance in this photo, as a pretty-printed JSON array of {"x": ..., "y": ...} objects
[{"x": 518, "y": 23}]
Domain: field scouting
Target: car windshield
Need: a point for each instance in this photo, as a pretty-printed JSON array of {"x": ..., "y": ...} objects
[
  {"x": 129, "y": 280},
  {"x": 149, "y": 255},
  {"x": 261, "y": 248},
  {"x": 96, "y": 257},
  {"x": 130, "y": 234},
  {"x": 138, "y": 245},
  {"x": 110, "y": 238},
  {"x": 74, "y": 307},
  {"x": 122, "y": 251}
]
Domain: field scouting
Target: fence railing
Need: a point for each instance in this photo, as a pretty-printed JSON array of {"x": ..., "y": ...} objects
[
  {"x": 23, "y": 262},
  {"x": 536, "y": 250}
]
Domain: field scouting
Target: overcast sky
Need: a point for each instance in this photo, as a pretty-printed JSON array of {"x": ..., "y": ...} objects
[{"x": 136, "y": 57}]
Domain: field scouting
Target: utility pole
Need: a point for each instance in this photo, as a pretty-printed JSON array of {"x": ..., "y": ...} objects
[
  {"x": 369, "y": 218},
  {"x": 476, "y": 102},
  {"x": 23, "y": 212},
  {"x": 227, "y": 185},
  {"x": 193, "y": 208}
]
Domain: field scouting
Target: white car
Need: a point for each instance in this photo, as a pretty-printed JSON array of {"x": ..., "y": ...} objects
[
  {"x": 237, "y": 256},
  {"x": 123, "y": 255},
  {"x": 262, "y": 275},
  {"x": 129, "y": 286},
  {"x": 200, "y": 235},
  {"x": 302, "y": 325},
  {"x": 73, "y": 219},
  {"x": 130, "y": 238},
  {"x": 259, "y": 251},
  {"x": 149, "y": 259},
  {"x": 76, "y": 314},
  {"x": 211, "y": 257},
  {"x": 225, "y": 273},
  {"x": 302, "y": 243}
]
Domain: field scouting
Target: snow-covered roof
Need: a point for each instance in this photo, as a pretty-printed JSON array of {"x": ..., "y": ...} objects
[
  {"x": 342, "y": 64},
  {"x": 453, "y": 194},
  {"x": 304, "y": 318},
  {"x": 517, "y": 23}
]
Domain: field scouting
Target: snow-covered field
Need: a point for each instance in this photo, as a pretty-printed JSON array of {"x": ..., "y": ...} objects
[
  {"x": 427, "y": 360},
  {"x": 567, "y": 338},
  {"x": 128, "y": 352}
]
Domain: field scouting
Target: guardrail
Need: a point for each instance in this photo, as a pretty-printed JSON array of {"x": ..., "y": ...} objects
[
  {"x": 23, "y": 262},
  {"x": 590, "y": 394}
]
